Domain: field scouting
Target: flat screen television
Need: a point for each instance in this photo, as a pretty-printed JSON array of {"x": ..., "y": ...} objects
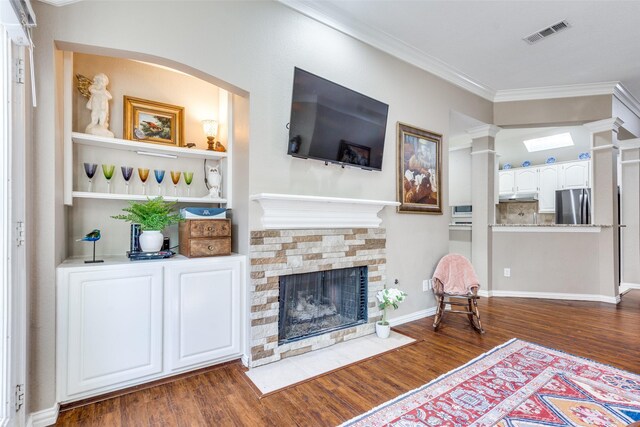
[{"x": 334, "y": 124}]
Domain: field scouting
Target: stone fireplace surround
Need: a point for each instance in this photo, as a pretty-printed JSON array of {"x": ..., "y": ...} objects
[{"x": 284, "y": 251}]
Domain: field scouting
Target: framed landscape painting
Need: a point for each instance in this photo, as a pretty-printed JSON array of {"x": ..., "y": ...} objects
[
  {"x": 154, "y": 122},
  {"x": 419, "y": 170}
]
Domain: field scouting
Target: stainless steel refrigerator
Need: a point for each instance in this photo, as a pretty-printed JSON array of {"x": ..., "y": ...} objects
[{"x": 573, "y": 206}]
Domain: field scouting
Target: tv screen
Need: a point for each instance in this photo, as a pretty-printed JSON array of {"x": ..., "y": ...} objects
[{"x": 334, "y": 124}]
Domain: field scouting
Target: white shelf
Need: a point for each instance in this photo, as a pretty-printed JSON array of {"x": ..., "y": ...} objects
[
  {"x": 136, "y": 146},
  {"x": 290, "y": 211},
  {"x": 141, "y": 197}
]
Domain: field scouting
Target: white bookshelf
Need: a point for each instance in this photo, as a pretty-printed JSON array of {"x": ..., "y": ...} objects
[{"x": 142, "y": 197}]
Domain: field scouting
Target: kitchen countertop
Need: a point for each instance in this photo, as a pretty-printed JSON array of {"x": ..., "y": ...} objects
[
  {"x": 552, "y": 225},
  {"x": 549, "y": 228}
]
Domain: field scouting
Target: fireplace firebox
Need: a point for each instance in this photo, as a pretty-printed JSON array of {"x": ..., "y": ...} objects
[{"x": 320, "y": 302}]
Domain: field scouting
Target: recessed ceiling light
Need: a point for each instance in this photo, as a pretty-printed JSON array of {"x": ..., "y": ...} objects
[{"x": 549, "y": 142}]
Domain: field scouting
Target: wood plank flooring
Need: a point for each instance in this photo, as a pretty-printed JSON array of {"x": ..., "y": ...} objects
[{"x": 222, "y": 397}]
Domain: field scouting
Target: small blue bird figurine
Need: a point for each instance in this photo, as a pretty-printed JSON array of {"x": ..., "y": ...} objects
[{"x": 94, "y": 236}]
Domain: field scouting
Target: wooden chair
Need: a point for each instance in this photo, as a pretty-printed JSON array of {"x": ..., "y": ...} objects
[{"x": 469, "y": 300}]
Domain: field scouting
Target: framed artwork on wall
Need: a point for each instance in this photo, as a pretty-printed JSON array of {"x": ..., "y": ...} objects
[
  {"x": 151, "y": 121},
  {"x": 419, "y": 170}
]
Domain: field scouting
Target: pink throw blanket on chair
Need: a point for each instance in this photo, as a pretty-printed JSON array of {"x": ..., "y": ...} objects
[{"x": 455, "y": 275}]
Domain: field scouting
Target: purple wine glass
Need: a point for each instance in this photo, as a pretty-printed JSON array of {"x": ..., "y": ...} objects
[
  {"x": 127, "y": 171},
  {"x": 90, "y": 169}
]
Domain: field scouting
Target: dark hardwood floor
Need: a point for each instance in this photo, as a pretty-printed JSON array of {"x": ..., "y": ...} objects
[{"x": 222, "y": 397}]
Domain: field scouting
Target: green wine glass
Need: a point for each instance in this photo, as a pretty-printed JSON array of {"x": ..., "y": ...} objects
[
  {"x": 188, "y": 178},
  {"x": 108, "y": 171}
]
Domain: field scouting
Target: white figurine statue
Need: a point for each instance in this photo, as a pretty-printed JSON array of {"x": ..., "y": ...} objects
[
  {"x": 99, "y": 105},
  {"x": 214, "y": 179}
]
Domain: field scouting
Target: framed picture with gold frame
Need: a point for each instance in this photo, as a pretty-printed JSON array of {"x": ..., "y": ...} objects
[
  {"x": 154, "y": 122},
  {"x": 419, "y": 170}
]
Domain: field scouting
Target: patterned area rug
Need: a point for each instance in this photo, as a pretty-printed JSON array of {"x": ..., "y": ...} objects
[{"x": 517, "y": 384}]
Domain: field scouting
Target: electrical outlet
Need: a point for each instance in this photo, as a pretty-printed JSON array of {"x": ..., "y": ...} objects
[
  {"x": 507, "y": 272},
  {"x": 427, "y": 285}
]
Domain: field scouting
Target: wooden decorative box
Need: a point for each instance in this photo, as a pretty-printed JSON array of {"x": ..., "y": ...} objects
[{"x": 205, "y": 237}]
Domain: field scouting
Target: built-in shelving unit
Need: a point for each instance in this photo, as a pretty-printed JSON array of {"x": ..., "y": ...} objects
[
  {"x": 144, "y": 148},
  {"x": 142, "y": 197}
]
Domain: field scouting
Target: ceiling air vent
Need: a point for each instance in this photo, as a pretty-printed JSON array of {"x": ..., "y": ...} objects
[{"x": 546, "y": 32}]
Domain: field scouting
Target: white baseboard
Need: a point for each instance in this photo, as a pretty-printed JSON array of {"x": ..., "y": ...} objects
[
  {"x": 551, "y": 295},
  {"x": 44, "y": 418},
  {"x": 626, "y": 287},
  {"x": 245, "y": 360},
  {"x": 412, "y": 316}
]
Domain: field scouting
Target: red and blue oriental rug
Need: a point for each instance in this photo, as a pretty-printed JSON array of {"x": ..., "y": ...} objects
[{"x": 518, "y": 384}]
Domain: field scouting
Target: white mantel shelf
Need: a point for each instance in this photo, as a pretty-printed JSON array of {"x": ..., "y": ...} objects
[{"x": 288, "y": 211}]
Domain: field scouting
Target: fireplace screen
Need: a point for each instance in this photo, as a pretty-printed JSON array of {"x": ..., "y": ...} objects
[{"x": 320, "y": 302}]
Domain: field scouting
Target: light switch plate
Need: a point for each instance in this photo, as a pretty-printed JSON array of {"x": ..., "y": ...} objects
[{"x": 507, "y": 272}]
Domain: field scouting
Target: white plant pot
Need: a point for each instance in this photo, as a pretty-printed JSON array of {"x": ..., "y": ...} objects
[
  {"x": 151, "y": 241},
  {"x": 382, "y": 331}
]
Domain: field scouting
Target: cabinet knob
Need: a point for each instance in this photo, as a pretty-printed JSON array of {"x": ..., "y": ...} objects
[
  {"x": 209, "y": 228},
  {"x": 210, "y": 247}
]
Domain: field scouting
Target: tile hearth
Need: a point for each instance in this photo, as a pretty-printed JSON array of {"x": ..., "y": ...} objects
[{"x": 293, "y": 370}]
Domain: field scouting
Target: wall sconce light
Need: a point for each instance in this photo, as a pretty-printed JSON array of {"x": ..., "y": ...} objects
[{"x": 211, "y": 131}]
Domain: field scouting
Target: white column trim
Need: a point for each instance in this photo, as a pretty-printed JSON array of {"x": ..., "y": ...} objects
[
  {"x": 605, "y": 147},
  {"x": 611, "y": 124},
  {"x": 483, "y": 131},
  {"x": 473, "y": 153},
  {"x": 630, "y": 144}
]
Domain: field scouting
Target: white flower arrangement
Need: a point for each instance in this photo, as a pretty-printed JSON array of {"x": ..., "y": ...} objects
[{"x": 389, "y": 298}]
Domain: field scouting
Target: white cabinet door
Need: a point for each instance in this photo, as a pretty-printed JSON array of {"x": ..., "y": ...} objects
[
  {"x": 113, "y": 329},
  {"x": 548, "y": 178},
  {"x": 203, "y": 312},
  {"x": 575, "y": 175},
  {"x": 526, "y": 180},
  {"x": 506, "y": 182}
]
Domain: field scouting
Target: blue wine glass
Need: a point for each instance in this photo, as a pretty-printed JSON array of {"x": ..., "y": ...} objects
[{"x": 159, "y": 177}]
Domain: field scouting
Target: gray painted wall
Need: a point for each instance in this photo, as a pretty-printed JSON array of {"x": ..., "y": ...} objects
[{"x": 252, "y": 48}]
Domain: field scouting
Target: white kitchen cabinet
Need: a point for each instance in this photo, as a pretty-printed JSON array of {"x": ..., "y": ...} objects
[
  {"x": 575, "y": 175},
  {"x": 202, "y": 316},
  {"x": 125, "y": 323},
  {"x": 548, "y": 180},
  {"x": 109, "y": 327},
  {"x": 506, "y": 182},
  {"x": 526, "y": 180}
]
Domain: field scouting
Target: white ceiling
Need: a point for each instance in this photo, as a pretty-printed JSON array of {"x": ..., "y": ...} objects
[{"x": 480, "y": 42}]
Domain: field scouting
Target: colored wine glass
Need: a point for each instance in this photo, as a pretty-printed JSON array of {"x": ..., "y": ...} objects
[
  {"x": 127, "y": 171},
  {"x": 90, "y": 170},
  {"x": 159, "y": 177},
  {"x": 143, "y": 173},
  {"x": 188, "y": 178},
  {"x": 175, "y": 177},
  {"x": 108, "y": 170}
]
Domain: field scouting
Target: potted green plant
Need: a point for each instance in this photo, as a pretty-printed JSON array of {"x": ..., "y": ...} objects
[
  {"x": 387, "y": 298},
  {"x": 154, "y": 215}
]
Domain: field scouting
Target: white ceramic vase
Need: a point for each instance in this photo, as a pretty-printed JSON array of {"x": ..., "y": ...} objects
[
  {"x": 382, "y": 331},
  {"x": 151, "y": 240}
]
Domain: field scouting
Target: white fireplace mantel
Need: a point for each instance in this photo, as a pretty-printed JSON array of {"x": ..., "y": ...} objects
[{"x": 288, "y": 211}]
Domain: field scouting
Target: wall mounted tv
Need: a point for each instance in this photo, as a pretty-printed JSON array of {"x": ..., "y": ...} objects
[{"x": 334, "y": 124}]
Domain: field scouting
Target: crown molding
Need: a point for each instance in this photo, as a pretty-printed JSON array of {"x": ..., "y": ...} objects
[
  {"x": 627, "y": 99},
  {"x": 483, "y": 131},
  {"x": 460, "y": 147},
  {"x": 612, "y": 124},
  {"x": 550, "y": 92},
  {"x": 59, "y": 2},
  {"x": 324, "y": 13}
]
